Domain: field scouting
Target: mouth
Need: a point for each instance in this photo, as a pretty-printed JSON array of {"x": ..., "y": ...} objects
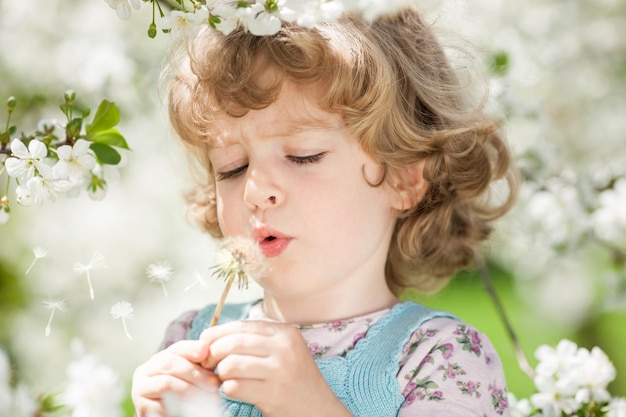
[{"x": 271, "y": 242}]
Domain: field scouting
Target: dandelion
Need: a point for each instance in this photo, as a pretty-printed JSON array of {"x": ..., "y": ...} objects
[
  {"x": 160, "y": 272},
  {"x": 238, "y": 259},
  {"x": 53, "y": 306},
  {"x": 123, "y": 310},
  {"x": 39, "y": 253},
  {"x": 97, "y": 261},
  {"x": 198, "y": 280}
]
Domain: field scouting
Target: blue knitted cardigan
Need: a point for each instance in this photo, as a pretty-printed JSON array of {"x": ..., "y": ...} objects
[{"x": 365, "y": 380}]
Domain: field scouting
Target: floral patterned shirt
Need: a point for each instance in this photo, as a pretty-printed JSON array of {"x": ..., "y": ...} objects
[{"x": 447, "y": 368}]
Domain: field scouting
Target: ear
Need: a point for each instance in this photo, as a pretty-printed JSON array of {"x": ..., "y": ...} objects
[{"x": 409, "y": 186}]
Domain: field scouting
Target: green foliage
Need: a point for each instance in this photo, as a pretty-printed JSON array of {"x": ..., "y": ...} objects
[
  {"x": 498, "y": 62},
  {"x": 13, "y": 297}
]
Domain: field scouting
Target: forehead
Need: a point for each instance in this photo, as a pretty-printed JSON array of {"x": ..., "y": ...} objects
[{"x": 296, "y": 111}]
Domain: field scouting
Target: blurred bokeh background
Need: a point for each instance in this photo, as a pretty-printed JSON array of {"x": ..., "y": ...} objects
[{"x": 556, "y": 72}]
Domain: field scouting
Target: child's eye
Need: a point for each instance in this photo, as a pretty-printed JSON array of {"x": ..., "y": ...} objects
[
  {"x": 232, "y": 173},
  {"x": 309, "y": 159}
]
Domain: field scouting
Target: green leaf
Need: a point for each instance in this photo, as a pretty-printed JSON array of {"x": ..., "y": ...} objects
[
  {"x": 105, "y": 118},
  {"x": 110, "y": 137},
  {"x": 105, "y": 153}
]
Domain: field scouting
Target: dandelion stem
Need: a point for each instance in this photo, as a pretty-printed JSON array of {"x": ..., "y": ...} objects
[
  {"x": 164, "y": 289},
  {"x": 31, "y": 265},
  {"x": 91, "y": 294},
  {"x": 48, "y": 326},
  {"x": 126, "y": 329},
  {"x": 220, "y": 304},
  {"x": 519, "y": 353}
]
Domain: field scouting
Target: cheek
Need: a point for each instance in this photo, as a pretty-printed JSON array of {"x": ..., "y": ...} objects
[{"x": 225, "y": 217}]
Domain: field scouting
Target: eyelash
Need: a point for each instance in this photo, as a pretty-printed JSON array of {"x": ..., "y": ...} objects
[
  {"x": 309, "y": 159},
  {"x": 298, "y": 160}
]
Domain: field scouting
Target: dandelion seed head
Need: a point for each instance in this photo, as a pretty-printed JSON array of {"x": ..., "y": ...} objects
[
  {"x": 241, "y": 257},
  {"x": 122, "y": 309},
  {"x": 40, "y": 252},
  {"x": 160, "y": 271},
  {"x": 55, "y": 304},
  {"x": 97, "y": 261}
]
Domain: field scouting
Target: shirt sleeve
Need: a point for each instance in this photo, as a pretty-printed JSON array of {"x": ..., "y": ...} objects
[
  {"x": 449, "y": 368},
  {"x": 177, "y": 329}
]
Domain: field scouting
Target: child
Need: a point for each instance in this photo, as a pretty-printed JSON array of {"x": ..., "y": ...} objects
[{"x": 352, "y": 155}]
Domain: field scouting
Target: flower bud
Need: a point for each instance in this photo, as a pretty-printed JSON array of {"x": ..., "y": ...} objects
[
  {"x": 11, "y": 103},
  {"x": 152, "y": 30},
  {"x": 70, "y": 95}
]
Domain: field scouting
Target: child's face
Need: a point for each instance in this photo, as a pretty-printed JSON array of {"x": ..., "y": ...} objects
[{"x": 291, "y": 177}]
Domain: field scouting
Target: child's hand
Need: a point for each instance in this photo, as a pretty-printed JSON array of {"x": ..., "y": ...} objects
[
  {"x": 175, "y": 370},
  {"x": 269, "y": 365}
]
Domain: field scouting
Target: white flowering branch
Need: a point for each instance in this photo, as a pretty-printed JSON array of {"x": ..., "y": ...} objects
[
  {"x": 259, "y": 17},
  {"x": 49, "y": 163}
]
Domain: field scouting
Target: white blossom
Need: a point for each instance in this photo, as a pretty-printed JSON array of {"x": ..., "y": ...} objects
[
  {"x": 616, "y": 407},
  {"x": 38, "y": 190},
  {"x": 518, "y": 408},
  {"x": 185, "y": 24},
  {"x": 26, "y": 162},
  {"x": 75, "y": 162},
  {"x": 18, "y": 401},
  {"x": 608, "y": 219},
  {"x": 258, "y": 20},
  {"x": 94, "y": 389},
  {"x": 569, "y": 377},
  {"x": 123, "y": 7}
]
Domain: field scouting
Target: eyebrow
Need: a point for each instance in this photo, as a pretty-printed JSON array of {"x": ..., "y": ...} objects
[
  {"x": 299, "y": 126},
  {"x": 292, "y": 129}
]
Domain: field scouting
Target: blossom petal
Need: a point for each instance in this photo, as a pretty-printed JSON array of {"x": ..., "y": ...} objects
[
  {"x": 19, "y": 149},
  {"x": 37, "y": 149},
  {"x": 16, "y": 167},
  {"x": 81, "y": 147},
  {"x": 64, "y": 152}
]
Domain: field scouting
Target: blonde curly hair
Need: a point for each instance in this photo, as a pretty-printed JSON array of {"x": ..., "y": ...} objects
[{"x": 397, "y": 92}]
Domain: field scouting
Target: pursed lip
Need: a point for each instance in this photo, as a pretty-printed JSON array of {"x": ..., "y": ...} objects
[{"x": 271, "y": 242}]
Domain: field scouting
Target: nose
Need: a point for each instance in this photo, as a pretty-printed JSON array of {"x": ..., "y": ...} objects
[{"x": 261, "y": 191}]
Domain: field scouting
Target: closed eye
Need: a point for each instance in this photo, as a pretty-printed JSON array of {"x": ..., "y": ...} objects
[
  {"x": 232, "y": 173},
  {"x": 309, "y": 159}
]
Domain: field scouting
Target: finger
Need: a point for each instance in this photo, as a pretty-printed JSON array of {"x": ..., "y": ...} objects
[
  {"x": 248, "y": 390},
  {"x": 192, "y": 350},
  {"x": 238, "y": 343},
  {"x": 153, "y": 387},
  {"x": 245, "y": 367},
  {"x": 148, "y": 408}
]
